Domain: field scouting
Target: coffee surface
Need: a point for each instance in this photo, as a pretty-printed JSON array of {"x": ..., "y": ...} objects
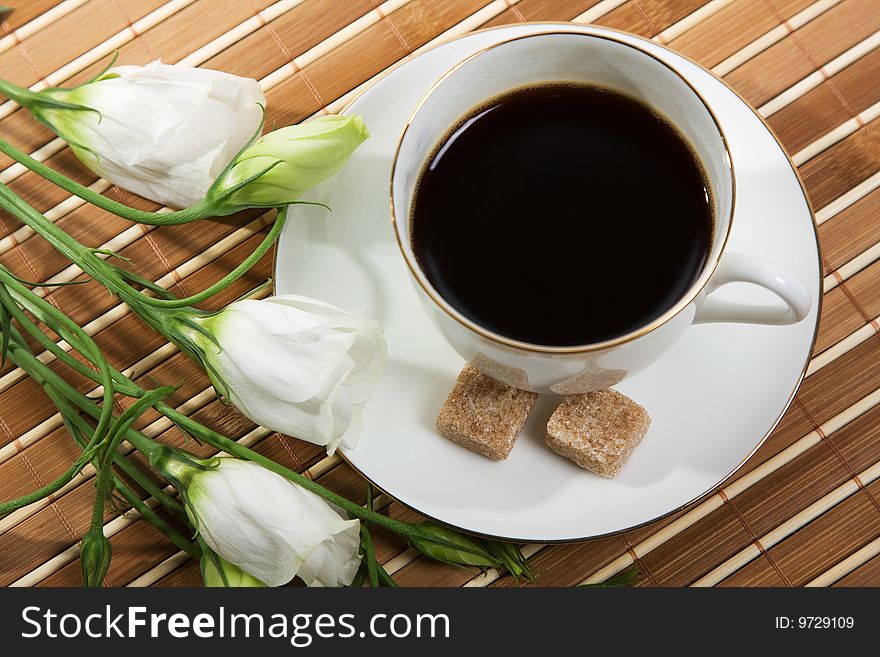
[{"x": 562, "y": 215}]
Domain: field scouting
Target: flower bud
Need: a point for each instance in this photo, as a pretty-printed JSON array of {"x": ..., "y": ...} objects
[
  {"x": 261, "y": 523},
  {"x": 449, "y": 546},
  {"x": 281, "y": 165},
  {"x": 94, "y": 557}
]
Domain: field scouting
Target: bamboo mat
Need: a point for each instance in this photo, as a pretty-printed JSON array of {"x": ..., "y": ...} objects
[{"x": 805, "y": 510}]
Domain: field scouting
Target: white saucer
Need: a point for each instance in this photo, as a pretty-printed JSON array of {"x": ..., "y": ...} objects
[{"x": 713, "y": 398}]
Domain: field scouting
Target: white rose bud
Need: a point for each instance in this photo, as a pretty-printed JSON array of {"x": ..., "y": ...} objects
[
  {"x": 164, "y": 132},
  {"x": 265, "y": 525},
  {"x": 283, "y": 164},
  {"x": 293, "y": 364}
]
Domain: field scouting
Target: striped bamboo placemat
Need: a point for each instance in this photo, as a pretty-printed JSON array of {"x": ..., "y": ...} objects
[{"x": 805, "y": 510}]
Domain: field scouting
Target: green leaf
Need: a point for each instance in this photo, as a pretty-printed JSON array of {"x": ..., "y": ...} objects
[
  {"x": 628, "y": 577},
  {"x": 110, "y": 254},
  {"x": 511, "y": 558}
]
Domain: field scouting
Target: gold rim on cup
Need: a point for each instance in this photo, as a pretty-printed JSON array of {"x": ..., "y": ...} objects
[{"x": 680, "y": 305}]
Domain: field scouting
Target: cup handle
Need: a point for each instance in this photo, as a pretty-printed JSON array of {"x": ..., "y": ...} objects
[{"x": 746, "y": 269}]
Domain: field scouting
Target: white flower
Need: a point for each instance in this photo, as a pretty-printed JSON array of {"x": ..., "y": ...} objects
[
  {"x": 271, "y": 528},
  {"x": 295, "y": 365},
  {"x": 162, "y": 131}
]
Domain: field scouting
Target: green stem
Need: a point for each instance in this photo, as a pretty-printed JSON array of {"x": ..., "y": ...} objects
[
  {"x": 78, "y": 254},
  {"x": 21, "y": 95},
  {"x": 156, "y": 520},
  {"x": 78, "y": 429},
  {"x": 221, "y": 442},
  {"x": 68, "y": 330},
  {"x": 104, "y": 483},
  {"x": 369, "y": 555},
  {"x": 108, "y": 274},
  {"x": 89, "y": 451},
  {"x": 120, "y": 383},
  {"x": 145, "y": 283},
  {"x": 53, "y": 487},
  {"x": 367, "y": 543},
  {"x": 629, "y": 577},
  {"x": 232, "y": 276},
  {"x": 385, "y": 578},
  {"x": 44, "y": 375},
  {"x": 200, "y": 210},
  {"x": 128, "y": 468}
]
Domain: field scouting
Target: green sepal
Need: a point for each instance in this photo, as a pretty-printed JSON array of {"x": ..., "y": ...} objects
[
  {"x": 94, "y": 557},
  {"x": 627, "y": 577},
  {"x": 100, "y": 76}
]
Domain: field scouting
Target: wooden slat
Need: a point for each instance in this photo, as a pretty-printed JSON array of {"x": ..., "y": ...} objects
[
  {"x": 859, "y": 442},
  {"x": 27, "y": 12},
  {"x": 864, "y": 286},
  {"x": 829, "y": 538},
  {"x": 814, "y": 119},
  {"x": 866, "y": 575},
  {"x": 835, "y": 101},
  {"x": 842, "y": 383},
  {"x": 839, "y": 318},
  {"x": 661, "y": 13},
  {"x": 51, "y": 48},
  {"x": 783, "y": 494},
  {"x": 629, "y": 19},
  {"x": 855, "y": 230},
  {"x": 299, "y": 29},
  {"x": 566, "y": 565},
  {"x": 539, "y": 10},
  {"x": 843, "y": 166},
  {"x": 787, "y": 62},
  {"x": 732, "y": 28},
  {"x": 679, "y": 561}
]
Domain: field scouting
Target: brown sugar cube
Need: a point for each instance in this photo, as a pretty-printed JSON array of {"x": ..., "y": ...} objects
[
  {"x": 597, "y": 430},
  {"x": 483, "y": 414}
]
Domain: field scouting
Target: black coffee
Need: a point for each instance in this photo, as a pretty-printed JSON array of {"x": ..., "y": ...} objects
[{"x": 562, "y": 215}]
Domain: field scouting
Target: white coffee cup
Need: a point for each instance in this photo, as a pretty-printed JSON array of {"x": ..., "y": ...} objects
[{"x": 608, "y": 62}]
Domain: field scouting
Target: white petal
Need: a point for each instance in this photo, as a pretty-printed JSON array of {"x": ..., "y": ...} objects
[
  {"x": 335, "y": 562},
  {"x": 269, "y": 527},
  {"x": 298, "y": 365}
]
